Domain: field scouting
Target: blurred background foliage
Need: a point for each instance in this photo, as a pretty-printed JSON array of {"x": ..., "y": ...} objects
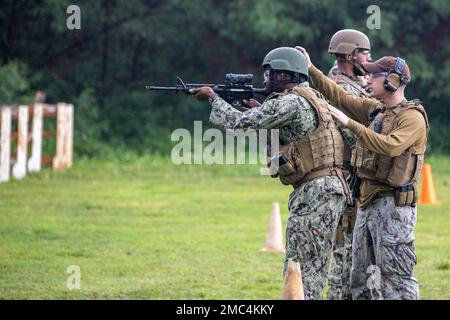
[{"x": 125, "y": 44}]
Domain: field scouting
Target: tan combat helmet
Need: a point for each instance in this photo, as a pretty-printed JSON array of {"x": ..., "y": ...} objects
[{"x": 346, "y": 41}]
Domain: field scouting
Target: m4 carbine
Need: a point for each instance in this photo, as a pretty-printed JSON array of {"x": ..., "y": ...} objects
[{"x": 237, "y": 87}]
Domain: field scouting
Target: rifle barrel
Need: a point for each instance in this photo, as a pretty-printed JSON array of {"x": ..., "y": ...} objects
[
  {"x": 217, "y": 88},
  {"x": 261, "y": 91},
  {"x": 180, "y": 88},
  {"x": 164, "y": 88}
]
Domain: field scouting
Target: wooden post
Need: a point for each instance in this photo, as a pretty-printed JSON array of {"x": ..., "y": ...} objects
[
  {"x": 69, "y": 136},
  {"x": 5, "y": 143},
  {"x": 20, "y": 167},
  {"x": 58, "y": 159},
  {"x": 64, "y": 136},
  {"x": 34, "y": 163}
]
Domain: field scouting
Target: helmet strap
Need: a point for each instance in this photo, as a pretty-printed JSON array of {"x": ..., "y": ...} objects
[
  {"x": 358, "y": 70},
  {"x": 357, "y": 67}
]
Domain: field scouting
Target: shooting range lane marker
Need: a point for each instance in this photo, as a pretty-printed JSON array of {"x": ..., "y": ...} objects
[
  {"x": 19, "y": 170},
  {"x": 5, "y": 143}
]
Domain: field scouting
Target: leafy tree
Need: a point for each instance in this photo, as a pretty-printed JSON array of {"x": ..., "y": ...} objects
[{"x": 125, "y": 44}]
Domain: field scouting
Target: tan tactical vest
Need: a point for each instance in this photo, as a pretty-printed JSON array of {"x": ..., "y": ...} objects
[
  {"x": 340, "y": 78},
  {"x": 317, "y": 154},
  {"x": 394, "y": 171}
]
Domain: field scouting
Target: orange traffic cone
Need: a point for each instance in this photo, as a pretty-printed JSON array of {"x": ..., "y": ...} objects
[
  {"x": 427, "y": 194},
  {"x": 293, "y": 283},
  {"x": 274, "y": 239}
]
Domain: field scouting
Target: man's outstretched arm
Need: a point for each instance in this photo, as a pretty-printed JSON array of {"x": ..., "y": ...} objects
[
  {"x": 273, "y": 113},
  {"x": 357, "y": 108}
]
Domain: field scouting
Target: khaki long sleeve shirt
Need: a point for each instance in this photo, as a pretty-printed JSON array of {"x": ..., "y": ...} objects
[{"x": 410, "y": 130}]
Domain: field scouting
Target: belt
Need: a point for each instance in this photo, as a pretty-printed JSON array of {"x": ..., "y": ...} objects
[
  {"x": 327, "y": 172},
  {"x": 383, "y": 194}
]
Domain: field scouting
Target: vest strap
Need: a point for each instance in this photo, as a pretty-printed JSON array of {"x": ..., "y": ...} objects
[{"x": 354, "y": 84}]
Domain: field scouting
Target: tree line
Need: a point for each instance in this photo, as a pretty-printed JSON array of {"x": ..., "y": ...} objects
[{"x": 124, "y": 44}]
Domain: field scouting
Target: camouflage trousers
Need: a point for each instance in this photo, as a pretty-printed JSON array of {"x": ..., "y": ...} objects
[
  {"x": 341, "y": 266},
  {"x": 383, "y": 252},
  {"x": 315, "y": 208}
]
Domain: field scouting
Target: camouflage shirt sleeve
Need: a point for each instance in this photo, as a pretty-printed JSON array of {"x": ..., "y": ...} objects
[
  {"x": 349, "y": 88},
  {"x": 348, "y": 135},
  {"x": 286, "y": 110}
]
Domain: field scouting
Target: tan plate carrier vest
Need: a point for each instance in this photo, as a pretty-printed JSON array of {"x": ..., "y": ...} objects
[
  {"x": 340, "y": 78},
  {"x": 348, "y": 219},
  {"x": 317, "y": 154},
  {"x": 394, "y": 171}
]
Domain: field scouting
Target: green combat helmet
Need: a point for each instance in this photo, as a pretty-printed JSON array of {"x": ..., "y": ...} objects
[{"x": 286, "y": 59}]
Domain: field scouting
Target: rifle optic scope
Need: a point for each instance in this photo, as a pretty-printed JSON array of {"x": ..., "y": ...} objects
[{"x": 238, "y": 79}]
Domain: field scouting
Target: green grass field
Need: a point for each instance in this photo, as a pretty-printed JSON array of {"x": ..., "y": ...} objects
[{"x": 142, "y": 228}]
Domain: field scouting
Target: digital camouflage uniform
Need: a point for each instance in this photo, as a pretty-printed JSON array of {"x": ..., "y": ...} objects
[
  {"x": 341, "y": 261},
  {"x": 384, "y": 251},
  {"x": 316, "y": 204},
  {"x": 383, "y": 240}
]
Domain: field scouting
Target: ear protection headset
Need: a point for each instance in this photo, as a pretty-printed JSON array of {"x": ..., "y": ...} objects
[{"x": 395, "y": 78}]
